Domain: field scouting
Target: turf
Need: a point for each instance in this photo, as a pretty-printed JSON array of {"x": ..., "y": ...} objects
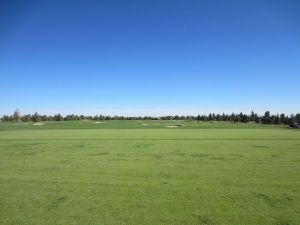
[
  {"x": 134, "y": 124},
  {"x": 230, "y": 174}
]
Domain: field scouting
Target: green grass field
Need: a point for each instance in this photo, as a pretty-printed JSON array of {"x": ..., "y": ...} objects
[{"x": 127, "y": 173}]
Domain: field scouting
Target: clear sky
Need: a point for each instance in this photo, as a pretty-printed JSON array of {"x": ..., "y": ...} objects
[{"x": 149, "y": 57}]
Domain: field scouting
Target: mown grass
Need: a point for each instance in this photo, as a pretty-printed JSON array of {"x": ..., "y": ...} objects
[
  {"x": 150, "y": 176},
  {"x": 134, "y": 124}
]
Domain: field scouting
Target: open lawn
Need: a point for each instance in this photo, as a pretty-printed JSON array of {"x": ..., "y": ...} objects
[{"x": 127, "y": 173}]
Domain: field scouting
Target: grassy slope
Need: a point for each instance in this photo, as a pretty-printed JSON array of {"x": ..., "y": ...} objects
[
  {"x": 145, "y": 124},
  {"x": 150, "y": 176}
]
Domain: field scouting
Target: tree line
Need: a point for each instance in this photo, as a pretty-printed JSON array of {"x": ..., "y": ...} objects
[{"x": 253, "y": 117}]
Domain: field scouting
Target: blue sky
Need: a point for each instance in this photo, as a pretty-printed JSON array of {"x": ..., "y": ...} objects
[{"x": 149, "y": 57}]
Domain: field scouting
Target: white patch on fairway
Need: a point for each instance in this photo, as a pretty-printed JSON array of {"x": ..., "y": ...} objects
[
  {"x": 145, "y": 124},
  {"x": 172, "y": 126},
  {"x": 98, "y": 122},
  {"x": 38, "y": 124}
]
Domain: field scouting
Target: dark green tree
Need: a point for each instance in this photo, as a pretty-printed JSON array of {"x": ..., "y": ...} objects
[
  {"x": 16, "y": 117},
  {"x": 266, "y": 119}
]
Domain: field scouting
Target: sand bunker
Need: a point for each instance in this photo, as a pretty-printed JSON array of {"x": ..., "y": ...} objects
[
  {"x": 98, "y": 122},
  {"x": 172, "y": 126},
  {"x": 38, "y": 124},
  {"x": 145, "y": 124}
]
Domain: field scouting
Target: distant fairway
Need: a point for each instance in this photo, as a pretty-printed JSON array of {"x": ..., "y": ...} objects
[{"x": 127, "y": 173}]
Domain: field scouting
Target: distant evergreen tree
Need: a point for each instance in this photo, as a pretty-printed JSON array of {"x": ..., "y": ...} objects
[
  {"x": 257, "y": 119},
  {"x": 35, "y": 117},
  {"x": 232, "y": 117},
  {"x": 58, "y": 117},
  {"x": 252, "y": 116},
  {"x": 297, "y": 118},
  {"x": 266, "y": 118},
  {"x": 283, "y": 118},
  {"x": 292, "y": 119},
  {"x": 5, "y": 118},
  {"x": 16, "y": 116}
]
